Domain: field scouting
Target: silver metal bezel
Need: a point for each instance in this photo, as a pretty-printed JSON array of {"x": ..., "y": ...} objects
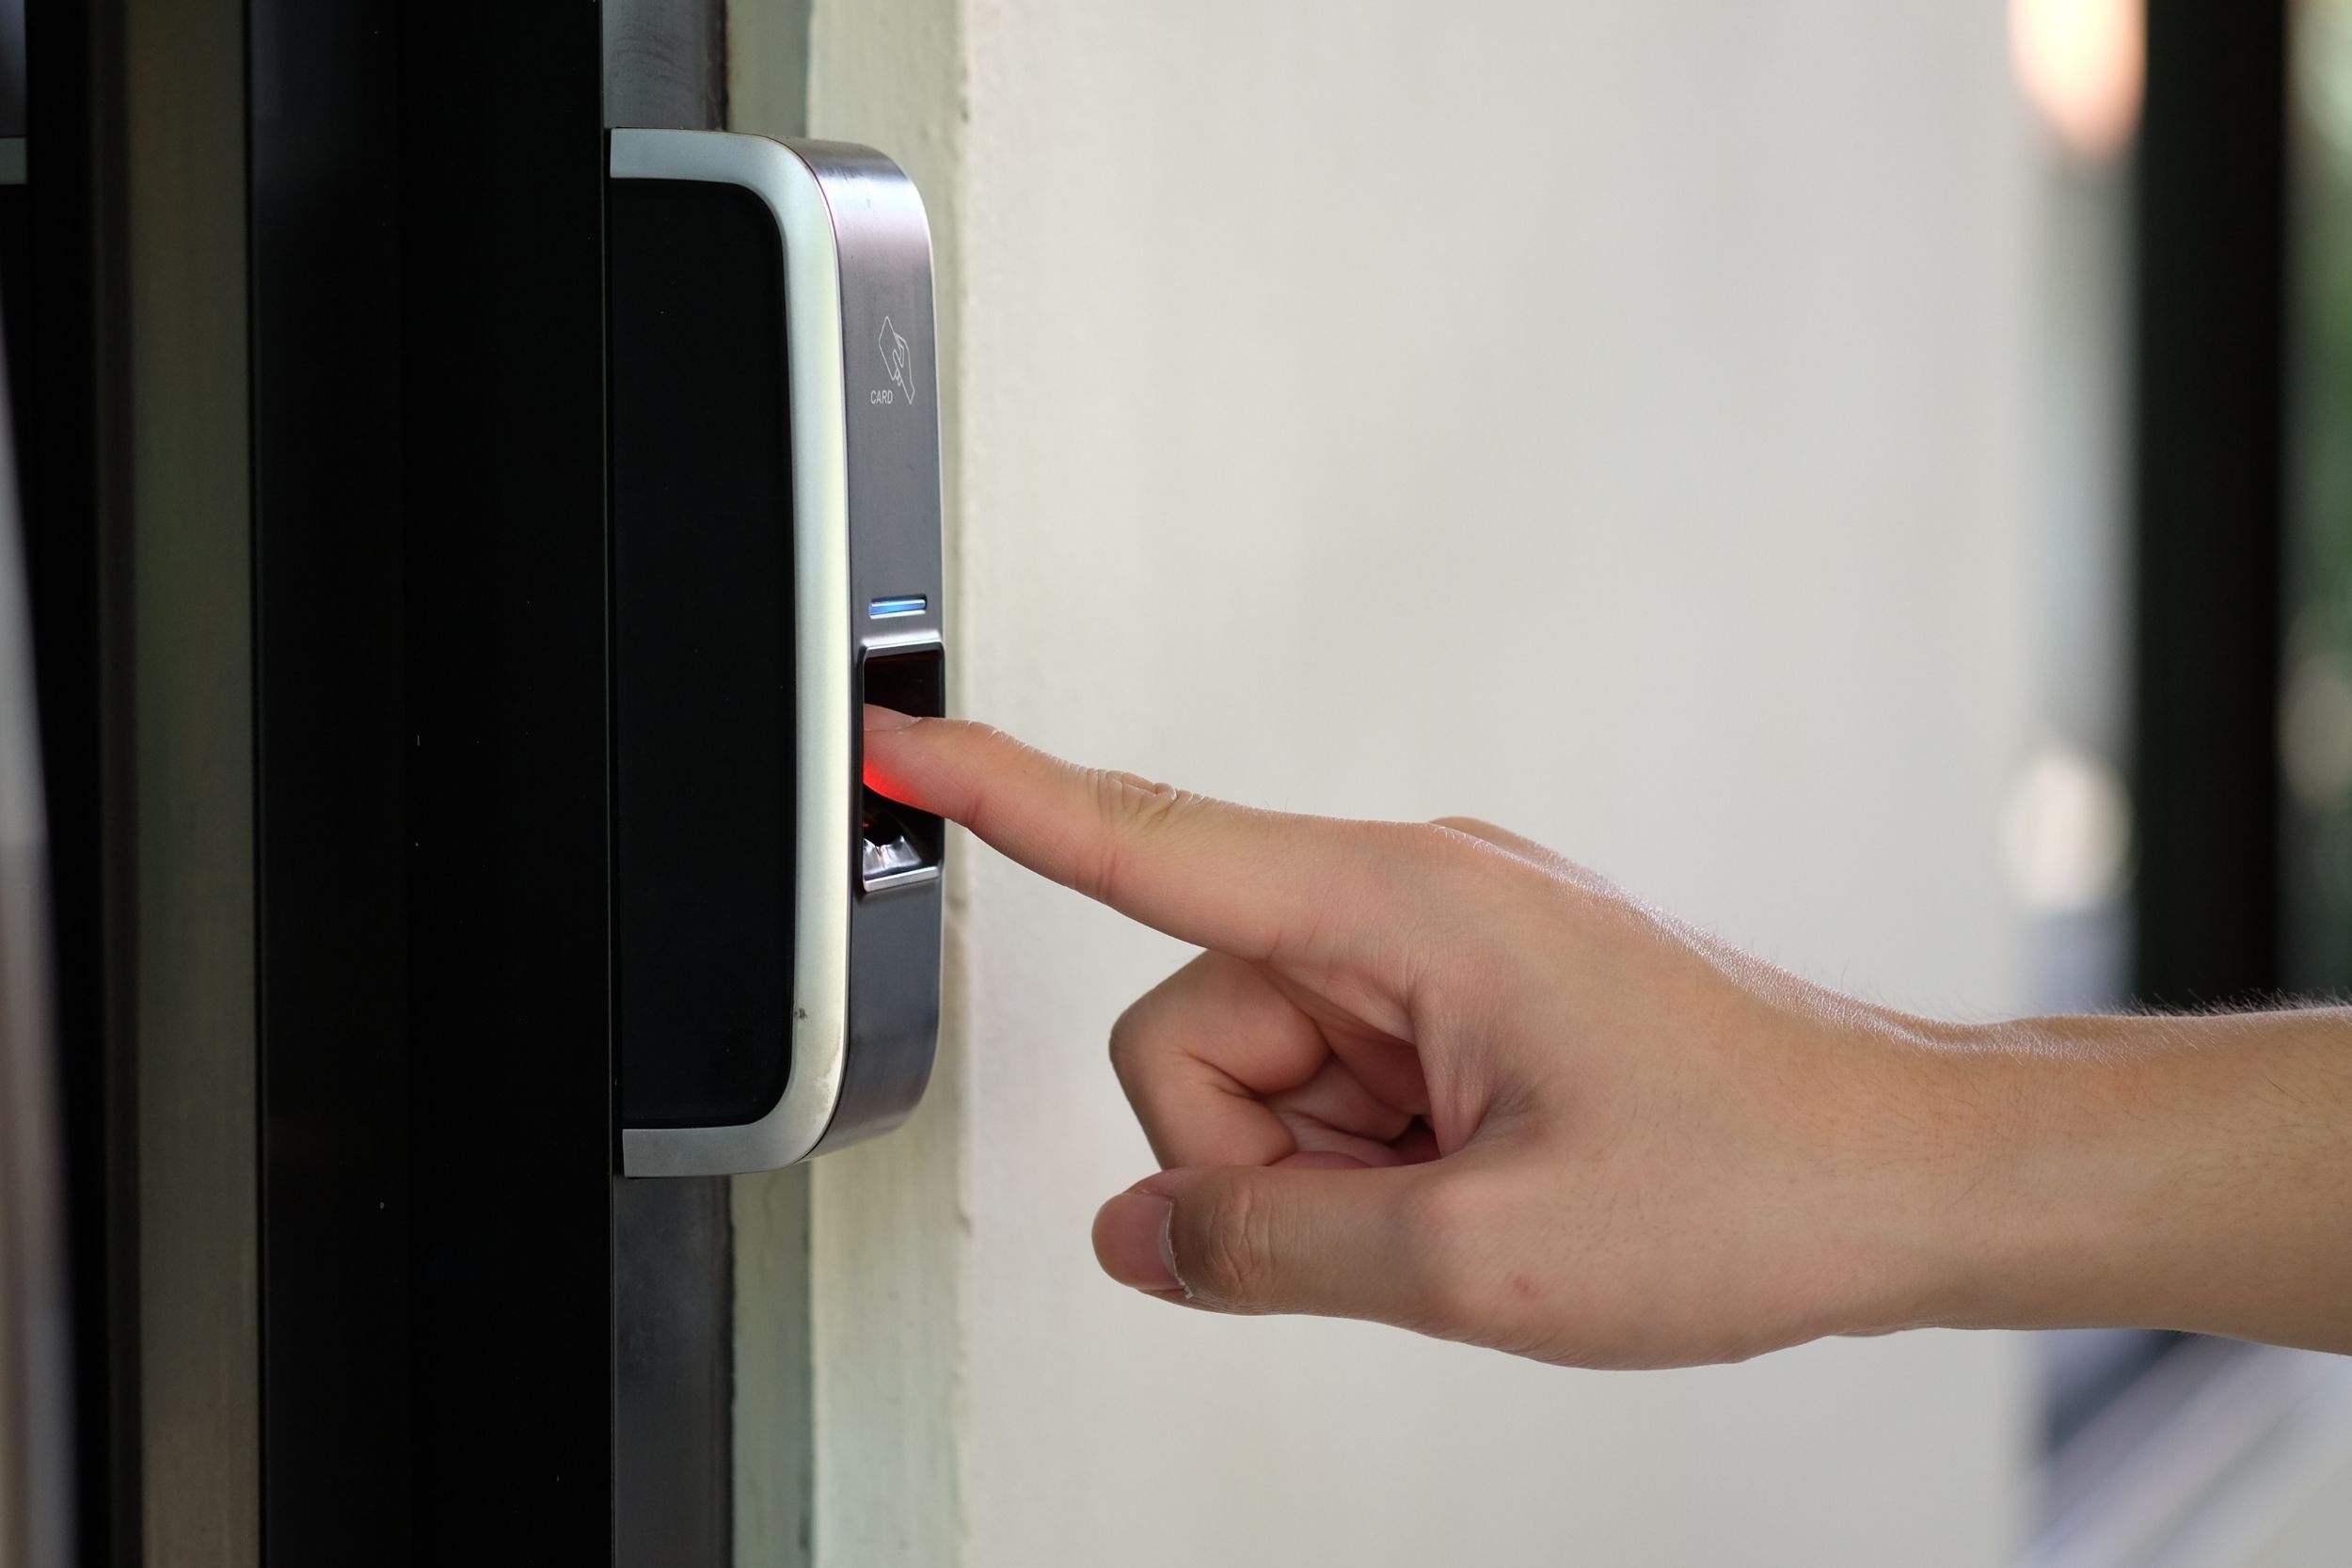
[{"x": 824, "y": 813}]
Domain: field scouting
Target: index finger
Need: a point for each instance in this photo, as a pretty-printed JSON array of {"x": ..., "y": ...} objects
[{"x": 1249, "y": 882}]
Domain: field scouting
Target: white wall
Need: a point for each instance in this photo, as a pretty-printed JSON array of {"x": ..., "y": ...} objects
[{"x": 1604, "y": 416}]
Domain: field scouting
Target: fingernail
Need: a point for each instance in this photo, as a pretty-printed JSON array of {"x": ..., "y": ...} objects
[
  {"x": 887, "y": 719},
  {"x": 1131, "y": 1240}
]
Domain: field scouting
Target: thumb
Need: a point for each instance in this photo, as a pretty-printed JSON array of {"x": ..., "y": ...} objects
[{"x": 1342, "y": 1244}]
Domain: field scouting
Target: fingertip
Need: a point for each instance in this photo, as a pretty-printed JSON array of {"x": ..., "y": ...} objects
[
  {"x": 904, "y": 758},
  {"x": 1131, "y": 1241}
]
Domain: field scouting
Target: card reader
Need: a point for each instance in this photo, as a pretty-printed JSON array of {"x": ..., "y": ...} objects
[{"x": 774, "y": 552}]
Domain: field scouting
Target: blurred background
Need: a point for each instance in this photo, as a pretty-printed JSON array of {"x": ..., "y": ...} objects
[{"x": 1874, "y": 479}]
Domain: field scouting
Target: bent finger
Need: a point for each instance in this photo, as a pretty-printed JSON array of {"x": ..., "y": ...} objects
[{"x": 1200, "y": 1054}]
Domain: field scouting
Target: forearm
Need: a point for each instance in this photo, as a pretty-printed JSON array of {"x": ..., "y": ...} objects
[{"x": 2183, "y": 1173}]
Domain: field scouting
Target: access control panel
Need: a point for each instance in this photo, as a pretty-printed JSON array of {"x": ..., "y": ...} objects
[{"x": 774, "y": 509}]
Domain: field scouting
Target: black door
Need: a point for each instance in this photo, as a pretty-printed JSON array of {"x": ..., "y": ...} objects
[{"x": 446, "y": 1331}]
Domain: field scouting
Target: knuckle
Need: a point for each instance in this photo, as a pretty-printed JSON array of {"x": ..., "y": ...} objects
[
  {"x": 1131, "y": 799},
  {"x": 1436, "y": 1214},
  {"x": 1460, "y": 842},
  {"x": 1234, "y": 1263},
  {"x": 1127, "y": 1039},
  {"x": 1442, "y": 837},
  {"x": 1424, "y": 850},
  {"x": 1132, "y": 810},
  {"x": 1449, "y": 1232},
  {"x": 981, "y": 807},
  {"x": 1451, "y": 858}
]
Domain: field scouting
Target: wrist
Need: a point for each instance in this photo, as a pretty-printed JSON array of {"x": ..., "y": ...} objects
[
  {"x": 1935, "y": 1164},
  {"x": 1942, "y": 1221},
  {"x": 2031, "y": 1192},
  {"x": 2010, "y": 1193},
  {"x": 2141, "y": 1172}
]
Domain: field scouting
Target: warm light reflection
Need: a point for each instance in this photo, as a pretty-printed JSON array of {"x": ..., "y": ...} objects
[
  {"x": 2065, "y": 833},
  {"x": 2082, "y": 63},
  {"x": 2323, "y": 69},
  {"x": 2315, "y": 732}
]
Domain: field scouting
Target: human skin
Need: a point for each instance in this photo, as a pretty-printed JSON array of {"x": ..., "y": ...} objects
[{"x": 1435, "y": 1075}]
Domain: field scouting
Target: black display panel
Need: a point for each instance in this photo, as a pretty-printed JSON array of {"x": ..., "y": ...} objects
[{"x": 702, "y": 653}]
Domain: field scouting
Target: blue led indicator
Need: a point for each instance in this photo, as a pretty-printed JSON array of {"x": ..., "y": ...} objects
[{"x": 912, "y": 604}]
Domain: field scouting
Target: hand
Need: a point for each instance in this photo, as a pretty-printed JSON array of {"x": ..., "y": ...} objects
[{"x": 1437, "y": 1076}]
